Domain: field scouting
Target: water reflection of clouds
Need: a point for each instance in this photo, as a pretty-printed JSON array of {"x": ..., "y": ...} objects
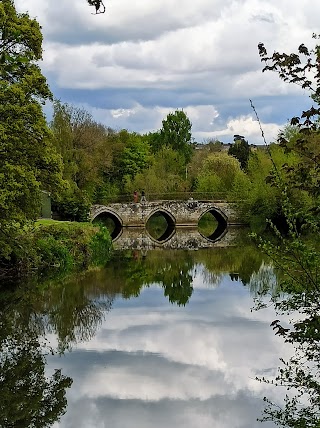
[
  {"x": 203, "y": 279},
  {"x": 155, "y": 364}
]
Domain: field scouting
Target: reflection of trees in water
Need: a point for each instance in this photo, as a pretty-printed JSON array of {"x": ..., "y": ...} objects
[
  {"x": 175, "y": 278},
  {"x": 28, "y": 398},
  {"x": 242, "y": 261},
  {"x": 72, "y": 309},
  {"x": 263, "y": 282},
  {"x": 210, "y": 279},
  {"x": 175, "y": 270},
  {"x": 170, "y": 269}
]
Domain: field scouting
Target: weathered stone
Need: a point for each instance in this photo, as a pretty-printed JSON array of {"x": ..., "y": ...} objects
[{"x": 178, "y": 213}]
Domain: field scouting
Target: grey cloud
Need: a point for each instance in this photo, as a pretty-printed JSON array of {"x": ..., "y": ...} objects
[
  {"x": 136, "y": 353},
  {"x": 71, "y": 24},
  {"x": 165, "y": 55},
  {"x": 266, "y": 17},
  {"x": 239, "y": 411},
  {"x": 81, "y": 363}
]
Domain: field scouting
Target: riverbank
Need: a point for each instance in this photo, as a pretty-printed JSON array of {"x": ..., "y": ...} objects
[{"x": 57, "y": 245}]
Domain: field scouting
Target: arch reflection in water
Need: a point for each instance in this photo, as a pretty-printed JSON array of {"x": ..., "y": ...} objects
[
  {"x": 213, "y": 225},
  {"x": 110, "y": 220},
  {"x": 181, "y": 238},
  {"x": 161, "y": 226}
]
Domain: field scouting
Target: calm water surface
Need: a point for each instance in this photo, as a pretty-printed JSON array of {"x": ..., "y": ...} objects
[{"x": 159, "y": 339}]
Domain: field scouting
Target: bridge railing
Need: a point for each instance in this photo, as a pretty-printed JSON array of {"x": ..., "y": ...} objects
[{"x": 177, "y": 196}]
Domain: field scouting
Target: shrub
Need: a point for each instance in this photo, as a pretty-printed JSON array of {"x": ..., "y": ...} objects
[{"x": 61, "y": 245}]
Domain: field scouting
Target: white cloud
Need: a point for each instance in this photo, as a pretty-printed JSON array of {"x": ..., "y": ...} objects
[
  {"x": 248, "y": 127},
  {"x": 203, "y": 119},
  {"x": 154, "y": 55},
  {"x": 154, "y": 363},
  {"x": 118, "y": 382}
]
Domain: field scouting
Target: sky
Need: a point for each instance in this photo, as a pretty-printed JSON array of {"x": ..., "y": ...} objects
[
  {"x": 141, "y": 60},
  {"x": 153, "y": 364}
]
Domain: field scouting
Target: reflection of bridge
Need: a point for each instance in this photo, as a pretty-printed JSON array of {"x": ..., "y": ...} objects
[
  {"x": 176, "y": 213},
  {"x": 182, "y": 238}
]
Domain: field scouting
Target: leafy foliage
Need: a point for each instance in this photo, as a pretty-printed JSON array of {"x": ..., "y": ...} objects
[
  {"x": 176, "y": 133},
  {"x": 218, "y": 173},
  {"x": 164, "y": 175},
  {"x": 298, "y": 262},
  {"x": 303, "y": 69},
  {"x": 51, "y": 245},
  {"x": 28, "y": 162},
  {"x": 135, "y": 156},
  {"x": 296, "y": 258},
  {"x": 73, "y": 205},
  {"x": 70, "y": 245},
  {"x": 240, "y": 150}
]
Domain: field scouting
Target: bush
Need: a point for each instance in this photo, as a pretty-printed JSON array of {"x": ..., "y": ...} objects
[
  {"x": 54, "y": 253},
  {"x": 61, "y": 245},
  {"x": 72, "y": 244},
  {"x": 74, "y": 205}
]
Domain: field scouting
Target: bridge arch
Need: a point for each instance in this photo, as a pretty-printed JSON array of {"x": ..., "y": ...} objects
[
  {"x": 104, "y": 215},
  {"x": 171, "y": 223},
  {"x": 222, "y": 227}
]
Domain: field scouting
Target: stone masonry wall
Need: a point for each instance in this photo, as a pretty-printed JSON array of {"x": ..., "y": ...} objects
[{"x": 182, "y": 213}]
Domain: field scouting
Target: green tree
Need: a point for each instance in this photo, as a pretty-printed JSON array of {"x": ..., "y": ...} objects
[
  {"x": 83, "y": 145},
  {"x": 28, "y": 161},
  {"x": 155, "y": 141},
  {"x": 240, "y": 149},
  {"x": 296, "y": 258},
  {"x": 218, "y": 173},
  {"x": 214, "y": 145},
  {"x": 135, "y": 156},
  {"x": 301, "y": 68},
  {"x": 163, "y": 176},
  {"x": 176, "y": 133},
  {"x": 86, "y": 148}
]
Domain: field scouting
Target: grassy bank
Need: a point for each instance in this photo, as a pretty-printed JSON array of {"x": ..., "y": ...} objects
[{"x": 51, "y": 245}]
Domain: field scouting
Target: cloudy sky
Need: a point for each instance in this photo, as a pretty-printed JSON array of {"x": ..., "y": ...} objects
[
  {"x": 141, "y": 60},
  {"x": 153, "y": 364}
]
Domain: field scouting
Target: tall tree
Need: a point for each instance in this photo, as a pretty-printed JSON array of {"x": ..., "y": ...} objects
[
  {"x": 83, "y": 145},
  {"x": 28, "y": 162},
  {"x": 176, "y": 133},
  {"x": 218, "y": 173},
  {"x": 135, "y": 156},
  {"x": 240, "y": 149}
]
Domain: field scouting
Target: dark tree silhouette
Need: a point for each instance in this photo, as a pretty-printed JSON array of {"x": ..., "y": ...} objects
[{"x": 99, "y": 6}]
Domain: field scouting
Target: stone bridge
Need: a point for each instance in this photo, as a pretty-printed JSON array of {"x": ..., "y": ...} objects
[{"x": 177, "y": 214}]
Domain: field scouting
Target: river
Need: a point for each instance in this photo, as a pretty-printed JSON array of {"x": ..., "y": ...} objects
[{"x": 157, "y": 338}]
